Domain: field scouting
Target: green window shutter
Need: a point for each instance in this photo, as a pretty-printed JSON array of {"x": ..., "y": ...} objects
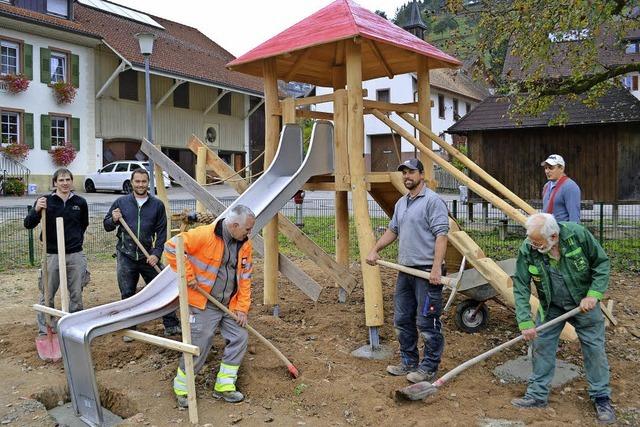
[
  {"x": 28, "y": 61},
  {"x": 75, "y": 133},
  {"x": 45, "y": 132},
  {"x": 45, "y": 65},
  {"x": 75, "y": 71},
  {"x": 28, "y": 129}
]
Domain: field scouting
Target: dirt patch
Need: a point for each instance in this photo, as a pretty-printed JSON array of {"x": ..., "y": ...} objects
[{"x": 333, "y": 389}]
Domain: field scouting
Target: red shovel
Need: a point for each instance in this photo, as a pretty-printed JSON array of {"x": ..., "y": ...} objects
[{"x": 47, "y": 345}]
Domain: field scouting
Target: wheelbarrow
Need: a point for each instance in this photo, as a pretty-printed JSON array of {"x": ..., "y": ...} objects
[{"x": 472, "y": 314}]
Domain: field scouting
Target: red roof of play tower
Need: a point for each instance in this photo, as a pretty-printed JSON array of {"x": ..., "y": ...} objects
[{"x": 318, "y": 38}]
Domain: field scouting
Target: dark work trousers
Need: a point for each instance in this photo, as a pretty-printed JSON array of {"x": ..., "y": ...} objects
[
  {"x": 418, "y": 306},
  {"x": 129, "y": 271}
]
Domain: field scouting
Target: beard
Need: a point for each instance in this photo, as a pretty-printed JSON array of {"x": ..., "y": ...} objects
[
  {"x": 140, "y": 192},
  {"x": 550, "y": 245},
  {"x": 410, "y": 184}
]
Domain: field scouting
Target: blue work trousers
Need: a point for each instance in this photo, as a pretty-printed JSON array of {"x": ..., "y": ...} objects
[
  {"x": 418, "y": 306},
  {"x": 590, "y": 329}
]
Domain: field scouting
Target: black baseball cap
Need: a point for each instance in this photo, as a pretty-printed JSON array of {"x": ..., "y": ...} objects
[{"x": 413, "y": 164}]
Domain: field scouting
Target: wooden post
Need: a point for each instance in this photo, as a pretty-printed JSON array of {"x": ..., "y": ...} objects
[
  {"x": 424, "y": 115},
  {"x": 201, "y": 173},
  {"x": 341, "y": 162},
  {"x": 161, "y": 193},
  {"x": 186, "y": 331},
  {"x": 288, "y": 111},
  {"x": 62, "y": 265},
  {"x": 370, "y": 274},
  {"x": 271, "y": 138}
]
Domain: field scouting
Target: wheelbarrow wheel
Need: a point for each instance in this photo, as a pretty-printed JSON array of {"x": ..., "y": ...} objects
[{"x": 469, "y": 318}]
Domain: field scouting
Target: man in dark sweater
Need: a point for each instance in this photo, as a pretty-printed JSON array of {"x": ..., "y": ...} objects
[
  {"x": 63, "y": 202},
  {"x": 146, "y": 216}
]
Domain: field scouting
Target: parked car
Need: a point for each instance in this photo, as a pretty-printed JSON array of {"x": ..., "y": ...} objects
[{"x": 116, "y": 176}]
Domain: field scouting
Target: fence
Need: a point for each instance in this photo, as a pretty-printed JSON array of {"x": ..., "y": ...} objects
[{"x": 616, "y": 226}]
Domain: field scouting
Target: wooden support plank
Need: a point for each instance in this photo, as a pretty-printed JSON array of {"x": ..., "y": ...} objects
[
  {"x": 298, "y": 277},
  {"x": 319, "y": 186},
  {"x": 271, "y": 139},
  {"x": 424, "y": 114},
  {"x": 496, "y": 277},
  {"x": 333, "y": 269},
  {"x": 301, "y": 59},
  {"x": 374, "y": 313},
  {"x": 317, "y": 115},
  {"x": 185, "y": 314},
  {"x": 509, "y": 210},
  {"x": 341, "y": 149},
  {"x": 201, "y": 173},
  {"x": 62, "y": 266},
  {"x": 215, "y": 101},
  {"x": 378, "y": 54},
  {"x": 161, "y": 193},
  {"x": 309, "y": 100},
  {"x": 388, "y": 106},
  {"x": 607, "y": 310},
  {"x": 470, "y": 164},
  {"x": 288, "y": 107}
]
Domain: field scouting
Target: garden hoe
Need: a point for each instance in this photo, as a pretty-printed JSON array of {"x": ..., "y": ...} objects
[
  {"x": 293, "y": 371},
  {"x": 424, "y": 389},
  {"x": 48, "y": 345}
]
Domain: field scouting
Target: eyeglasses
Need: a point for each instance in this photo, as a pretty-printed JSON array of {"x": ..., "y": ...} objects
[{"x": 535, "y": 245}]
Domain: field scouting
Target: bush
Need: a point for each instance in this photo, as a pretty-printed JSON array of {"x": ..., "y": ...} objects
[{"x": 14, "y": 187}]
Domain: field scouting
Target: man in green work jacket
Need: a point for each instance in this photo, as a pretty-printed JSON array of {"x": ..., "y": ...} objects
[{"x": 569, "y": 268}]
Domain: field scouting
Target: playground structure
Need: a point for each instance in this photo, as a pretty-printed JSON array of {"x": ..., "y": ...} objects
[{"x": 338, "y": 46}]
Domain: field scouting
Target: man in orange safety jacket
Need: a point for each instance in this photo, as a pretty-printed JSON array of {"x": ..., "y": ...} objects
[{"x": 218, "y": 260}]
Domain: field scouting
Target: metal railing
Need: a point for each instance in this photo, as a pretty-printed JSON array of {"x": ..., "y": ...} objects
[
  {"x": 12, "y": 170},
  {"x": 617, "y": 227}
]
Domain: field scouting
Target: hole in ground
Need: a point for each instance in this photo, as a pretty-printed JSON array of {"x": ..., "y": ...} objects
[{"x": 114, "y": 400}]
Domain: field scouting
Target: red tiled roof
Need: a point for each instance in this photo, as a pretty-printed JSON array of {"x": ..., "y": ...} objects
[
  {"x": 341, "y": 20},
  {"x": 179, "y": 49},
  {"x": 27, "y": 15}
]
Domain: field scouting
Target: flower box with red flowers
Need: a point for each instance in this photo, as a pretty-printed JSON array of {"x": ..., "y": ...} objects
[
  {"x": 64, "y": 92},
  {"x": 15, "y": 83},
  {"x": 63, "y": 155}
]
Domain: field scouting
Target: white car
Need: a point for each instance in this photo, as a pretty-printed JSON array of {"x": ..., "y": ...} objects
[{"x": 116, "y": 176}]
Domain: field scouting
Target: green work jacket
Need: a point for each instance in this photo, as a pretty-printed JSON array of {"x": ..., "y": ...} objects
[{"x": 583, "y": 264}]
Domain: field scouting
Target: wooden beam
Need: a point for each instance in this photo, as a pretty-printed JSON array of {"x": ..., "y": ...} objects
[
  {"x": 338, "y": 272},
  {"x": 62, "y": 266},
  {"x": 288, "y": 107},
  {"x": 215, "y": 101},
  {"x": 319, "y": 186},
  {"x": 424, "y": 113},
  {"x": 388, "y": 106},
  {"x": 470, "y": 164},
  {"x": 119, "y": 69},
  {"x": 378, "y": 55},
  {"x": 301, "y": 59},
  {"x": 319, "y": 115},
  {"x": 253, "y": 110},
  {"x": 298, "y": 277},
  {"x": 271, "y": 140},
  {"x": 161, "y": 193},
  {"x": 372, "y": 284},
  {"x": 320, "y": 99},
  {"x": 169, "y": 92},
  {"x": 509, "y": 210},
  {"x": 341, "y": 149},
  {"x": 201, "y": 173}
]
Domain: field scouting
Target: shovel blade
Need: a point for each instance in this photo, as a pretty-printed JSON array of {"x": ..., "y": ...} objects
[
  {"x": 418, "y": 391},
  {"x": 48, "y": 347}
]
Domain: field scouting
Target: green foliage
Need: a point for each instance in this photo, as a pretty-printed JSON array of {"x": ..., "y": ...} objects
[
  {"x": 14, "y": 187},
  {"x": 299, "y": 389},
  {"x": 457, "y": 163}
]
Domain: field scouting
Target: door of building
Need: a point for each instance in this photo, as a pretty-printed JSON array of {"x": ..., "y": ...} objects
[{"x": 384, "y": 157}]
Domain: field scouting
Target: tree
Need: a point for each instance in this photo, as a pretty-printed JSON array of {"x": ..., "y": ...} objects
[{"x": 553, "y": 48}]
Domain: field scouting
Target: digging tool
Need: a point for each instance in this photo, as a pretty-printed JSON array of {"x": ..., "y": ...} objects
[
  {"x": 425, "y": 389},
  {"x": 62, "y": 265},
  {"x": 48, "y": 345},
  {"x": 290, "y": 367},
  {"x": 415, "y": 272},
  {"x": 454, "y": 288}
]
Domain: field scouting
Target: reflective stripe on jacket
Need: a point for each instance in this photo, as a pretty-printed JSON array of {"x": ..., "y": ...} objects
[
  {"x": 204, "y": 247},
  {"x": 583, "y": 264}
]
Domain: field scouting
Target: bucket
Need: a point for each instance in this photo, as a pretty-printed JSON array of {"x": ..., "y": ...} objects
[{"x": 32, "y": 189}]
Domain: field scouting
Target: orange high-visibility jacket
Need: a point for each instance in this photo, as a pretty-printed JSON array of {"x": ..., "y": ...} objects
[{"x": 204, "y": 247}]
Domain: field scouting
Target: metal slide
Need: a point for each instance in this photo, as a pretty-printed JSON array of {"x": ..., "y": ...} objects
[{"x": 265, "y": 197}]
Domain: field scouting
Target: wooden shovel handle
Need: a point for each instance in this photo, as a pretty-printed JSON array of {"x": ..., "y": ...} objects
[{"x": 414, "y": 272}]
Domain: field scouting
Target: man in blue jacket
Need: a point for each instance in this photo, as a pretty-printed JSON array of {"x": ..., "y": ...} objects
[
  {"x": 569, "y": 269},
  {"x": 561, "y": 194},
  {"x": 146, "y": 216}
]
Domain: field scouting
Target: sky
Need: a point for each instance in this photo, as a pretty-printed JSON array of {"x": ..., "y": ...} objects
[{"x": 240, "y": 25}]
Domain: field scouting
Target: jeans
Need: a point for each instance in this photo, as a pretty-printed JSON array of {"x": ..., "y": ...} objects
[
  {"x": 129, "y": 271},
  {"x": 590, "y": 329},
  {"x": 418, "y": 306}
]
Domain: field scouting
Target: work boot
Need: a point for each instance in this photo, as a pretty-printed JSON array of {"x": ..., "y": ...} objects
[
  {"x": 229, "y": 396},
  {"x": 604, "y": 411},
  {"x": 420, "y": 375},
  {"x": 400, "y": 370},
  {"x": 172, "y": 330},
  {"x": 527, "y": 402},
  {"x": 183, "y": 402}
]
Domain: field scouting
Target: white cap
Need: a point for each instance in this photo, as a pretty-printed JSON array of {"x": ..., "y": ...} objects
[{"x": 553, "y": 160}]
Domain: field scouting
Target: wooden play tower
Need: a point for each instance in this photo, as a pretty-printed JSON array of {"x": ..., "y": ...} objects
[{"x": 339, "y": 47}]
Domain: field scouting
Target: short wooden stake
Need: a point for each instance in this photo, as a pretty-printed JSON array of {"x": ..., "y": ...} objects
[
  {"x": 161, "y": 193},
  {"x": 186, "y": 331},
  {"x": 62, "y": 266},
  {"x": 201, "y": 173}
]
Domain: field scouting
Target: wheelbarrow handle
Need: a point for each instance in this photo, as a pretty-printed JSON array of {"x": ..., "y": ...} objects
[{"x": 414, "y": 272}]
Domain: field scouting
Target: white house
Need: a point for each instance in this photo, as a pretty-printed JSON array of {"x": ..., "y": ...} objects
[{"x": 92, "y": 44}]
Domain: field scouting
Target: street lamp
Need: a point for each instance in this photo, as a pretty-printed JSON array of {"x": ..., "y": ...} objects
[{"x": 146, "y": 49}]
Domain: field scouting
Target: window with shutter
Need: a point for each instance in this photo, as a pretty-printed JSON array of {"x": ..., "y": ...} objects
[
  {"x": 224, "y": 105},
  {"x": 45, "y": 132},
  {"x": 128, "y": 85},
  {"x": 75, "y": 133},
  {"x": 45, "y": 65},
  {"x": 181, "y": 96},
  {"x": 28, "y": 61},
  {"x": 27, "y": 119},
  {"x": 441, "y": 110},
  {"x": 10, "y": 57},
  {"x": 10, "y": 127}
]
